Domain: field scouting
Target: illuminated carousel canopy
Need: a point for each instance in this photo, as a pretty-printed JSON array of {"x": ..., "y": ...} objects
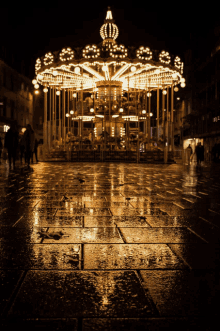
[
  {"x": 87, "y": 67},
  {"x": 109, "y": 85}
]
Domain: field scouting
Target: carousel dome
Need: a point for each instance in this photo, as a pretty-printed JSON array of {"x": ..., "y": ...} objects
[{"x": 109, "y": 30}]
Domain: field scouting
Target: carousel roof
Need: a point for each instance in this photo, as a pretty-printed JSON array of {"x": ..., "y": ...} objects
[{"x": 107, "y": 63}]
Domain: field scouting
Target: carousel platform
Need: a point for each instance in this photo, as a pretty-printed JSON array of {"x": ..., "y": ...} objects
[{"x": 107, "y": 156}]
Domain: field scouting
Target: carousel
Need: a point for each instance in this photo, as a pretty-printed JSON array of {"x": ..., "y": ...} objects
[{"x": 109, "y": 97}]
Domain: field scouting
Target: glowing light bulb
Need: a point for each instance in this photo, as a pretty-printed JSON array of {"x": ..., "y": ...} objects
[
  {"x": 143, "y": 111},
  {"x": 133, "y": 68},
  {"x": 45, "y": 90},
  {"x": 91, "y": 110},
  {"x": 182, "y": 84},
  {"x": 74, "y": 95},
  {"x": 176, "y": 89},
  {"x": 121, "y": 110},
  {"x": 57, "y": 92},
  {"x": 36, "y": 92},
  {"x": 36, "y": 86},
  {"x": 34, "y": 81},
  {"x": 164, "y": 92},
  {"x": 77, "y": 70},
  {"x": 71, "y": 112},
  {"x": 55, "y": 72}
]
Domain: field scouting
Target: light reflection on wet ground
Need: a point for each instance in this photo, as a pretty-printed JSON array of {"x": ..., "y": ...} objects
[{"x": 133, "y": 241}]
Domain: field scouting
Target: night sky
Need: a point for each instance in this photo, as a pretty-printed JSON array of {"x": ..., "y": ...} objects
[{"x": 29, "y": 32}]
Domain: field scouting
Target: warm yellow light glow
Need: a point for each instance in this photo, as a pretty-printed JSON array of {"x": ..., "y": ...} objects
[
  {"x": 115, "y": 116},
  {"x": 74, "y": 95},
  {"x": 57, "y": 92},
  {"x": 77, "y": 70},
  {"x": 45, "y": 90},
  {"x": 37, "y": 65},
  {"x": 176, "y": 89},
  {"x": 66, "y": 54},
  {"x": 55, "y": 72},
  {"x": 143, "y": 111},
  {"x": 182, "y": 84},
  {"x": 36, "y": 86},
  {"x": 149, "y": 94},
  {"x": 71, "y": 112},
  {"x": 151, "y": 114},
  {"x": 105, "y": 68},
  {"x": 48, "y": 59},
  {"x": 91, "y": 51},
  {"x": 121, "y": 110},
  {"x": 144, "y": 53},
  {"x": 164, "y": 92},
  {"x": 91, "y": 110},
  {"x": 133, "y": 69},
  {"x": 164, "y": 57},
  {"x": 178, "y": 98},
  {"x": 34, "y": 81},
  {"x": 67, "y": 115},
  {"x": 118, "y": 51},
  {"x": 36, "y": 92}
]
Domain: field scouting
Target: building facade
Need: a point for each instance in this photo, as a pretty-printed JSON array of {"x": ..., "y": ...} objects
[
  {"x": 198, "y": 115},
  {"x": 16, "y": 99}
]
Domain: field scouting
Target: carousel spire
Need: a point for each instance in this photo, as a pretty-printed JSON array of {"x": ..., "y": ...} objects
[{"x": 109, "y": 30}]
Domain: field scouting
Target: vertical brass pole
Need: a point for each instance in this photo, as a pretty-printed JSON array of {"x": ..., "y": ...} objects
[
  {"x": 158, "y": 105},
  {"x": 168, "y": 120},
  {"x": 68, "y": 111},
  {"x": 128, "y": 123},
  {"x": 163, "y": 114},
  {"x": 81, "y": 126},
  {"x": 51, "y": 116},
  {"x": 45, "y": 120},
  {"x": 172, "y": 126},
  {"x": 109, "y": 107},
  {"x": 60, "y": 117},
  {"x": 55, "y": 115},
  {"x": 64, "y": 118},
  {"x": 149, "y": 120}
]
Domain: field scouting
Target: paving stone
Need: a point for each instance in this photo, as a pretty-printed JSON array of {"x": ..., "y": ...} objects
[
  {"x": 183, "y": 292},
  {"x": 52, "y": 294},
  {"x": 87, "y": 235},
  {"x": 135, "y": 211},
  {"x": 9, "y": 280},
  {"x": 16, "y": 235},
  {"x": 130, "y": 256},
  {"x": 147, "y": 324},
  {"x": 43, "y": 222},
  {"x": 159, "y": 235},
  {"x": 42, "y": 256},
  {"x": 84, "y": 211},
  {"x": 39, "y": 324}
]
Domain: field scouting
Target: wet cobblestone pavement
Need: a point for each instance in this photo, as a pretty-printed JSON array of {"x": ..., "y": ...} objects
[{"x": 103, "y": 246}]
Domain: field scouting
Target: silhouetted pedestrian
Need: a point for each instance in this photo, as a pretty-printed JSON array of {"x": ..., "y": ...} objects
[
  {"x": 11, "y": 143},
  {"x": 199, "y": 153},
  {"x": 188, "y": 153},
  {"x": 29, "y": 143},
  {"x": 35, "y": 150},
  {"x": 22, "y": 148}
]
